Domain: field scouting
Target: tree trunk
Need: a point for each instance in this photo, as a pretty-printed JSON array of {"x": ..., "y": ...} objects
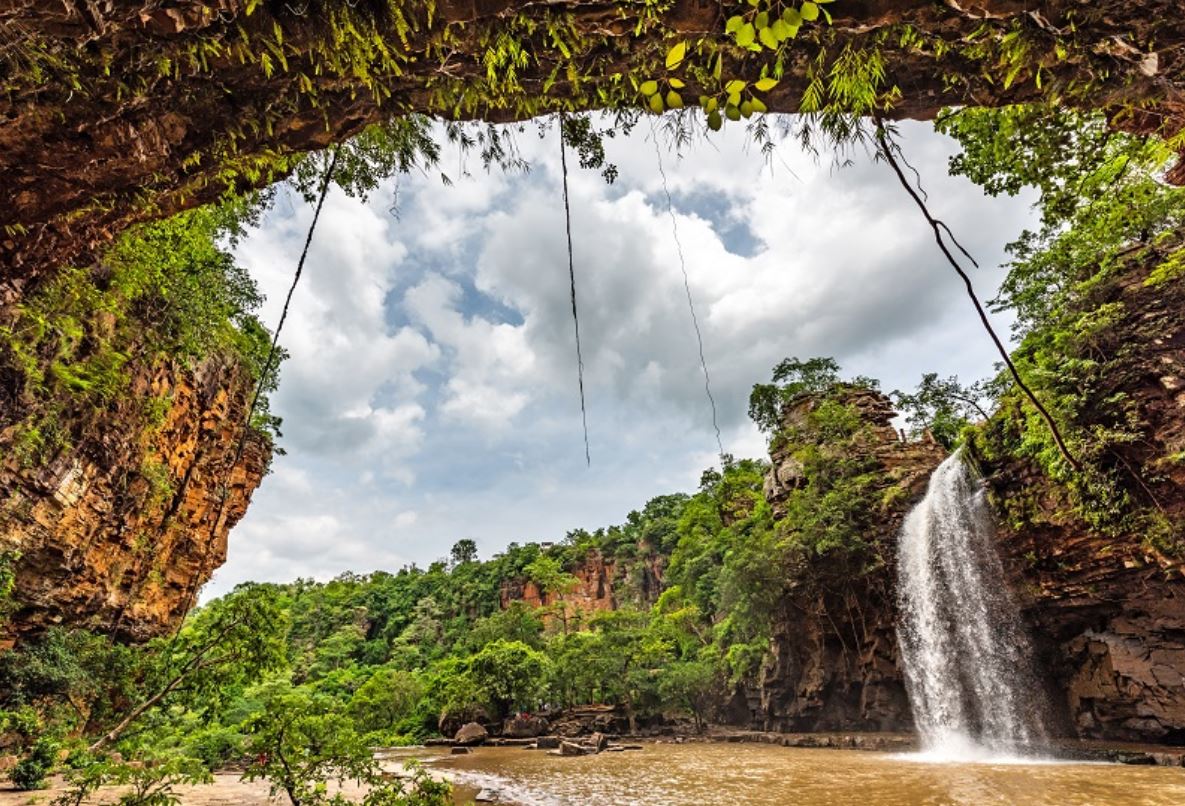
[{"x": 134, "y": 109}]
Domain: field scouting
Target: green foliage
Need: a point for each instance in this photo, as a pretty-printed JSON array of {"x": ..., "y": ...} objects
[
  {"x": 163, "y": 292},
  {"x": 691, "y": 684},
  {"x": 510, "y": 675},
  {"x": 222, "y": 648},
  {"x": 300, "y": 742},
  {"x": 215, "y": 746},
  {"x": 517, "y": 622},
  {"x": 1100, "y": 197},
  {"x": 943, "y": 407},
  {"x": 30, "y": 772},
  {"x": 8, "y": 561},
  {"x": 385, "y": 701},
  {"x": 463, "y": 551},
  {"x": 1105, "y": 212},
  {"x": 154, "y": 783},
  {"x": 793, "y": 379},
  {"x": 76, "y": 678}
]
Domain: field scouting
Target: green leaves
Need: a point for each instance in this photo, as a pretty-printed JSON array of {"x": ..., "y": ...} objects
[
  {"x": 652, "y": 89},
  {"x": 767, "y": 28}
]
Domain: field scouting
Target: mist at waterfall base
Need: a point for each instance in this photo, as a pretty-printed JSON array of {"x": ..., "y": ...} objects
[{"x": 964, "y": 648}]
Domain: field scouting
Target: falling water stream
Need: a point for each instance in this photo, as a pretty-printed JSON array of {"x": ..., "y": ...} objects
[{"x": 965, "y": 650}]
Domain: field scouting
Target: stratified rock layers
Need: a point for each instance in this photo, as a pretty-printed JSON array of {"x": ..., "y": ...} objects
[
  {"x": 118, "y": 532},
  {"x": 1107, "y": 611}
]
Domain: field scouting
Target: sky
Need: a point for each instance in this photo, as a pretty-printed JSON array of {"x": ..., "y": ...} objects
[{"x": 431, "y": 393}]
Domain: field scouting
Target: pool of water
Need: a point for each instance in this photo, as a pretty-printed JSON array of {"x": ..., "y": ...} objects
[{"x": 732, "y": 774}]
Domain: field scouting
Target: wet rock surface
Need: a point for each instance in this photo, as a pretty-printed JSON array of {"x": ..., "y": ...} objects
[{"x": 471, "y": 733}]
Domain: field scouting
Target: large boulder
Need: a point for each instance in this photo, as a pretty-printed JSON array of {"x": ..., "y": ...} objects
[
  {"x": 524, "y": 727},
  {"x": 471, "y": 733},
  {"x": 451, "y": 721}
]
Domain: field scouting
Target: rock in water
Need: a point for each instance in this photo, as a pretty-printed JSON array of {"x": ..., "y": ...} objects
[
  {"x": 471, "y": 733},
  {"x": 525, "y": 727},
  {"x": 574, "y": 749}
]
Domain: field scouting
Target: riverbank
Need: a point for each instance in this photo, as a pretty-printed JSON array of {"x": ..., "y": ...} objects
[{"x": 1064, "y": 749}]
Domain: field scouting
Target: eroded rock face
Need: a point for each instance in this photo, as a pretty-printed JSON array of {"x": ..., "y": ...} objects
[
  {"x": 833, "y": 662},
  {"x": 117, "y": 533},
  {"x": 601, "y": 586},
  {"x": 1108, "y": 611},
  {"x": 143, "y": 97}
]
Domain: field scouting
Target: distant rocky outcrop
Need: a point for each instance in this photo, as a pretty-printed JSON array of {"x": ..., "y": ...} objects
[
  {"x": 601, "y": 585},
  {"x": 833, "y": 662}
]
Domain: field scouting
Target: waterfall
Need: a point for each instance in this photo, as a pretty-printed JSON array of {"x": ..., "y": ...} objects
[{"x": 965, "y": 651}]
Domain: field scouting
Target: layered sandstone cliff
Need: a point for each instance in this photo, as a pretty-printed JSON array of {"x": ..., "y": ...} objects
[
  {"x": 833, "y": 662},
  {"x": 1107, "y": 607},
  {"x": 117, "y": 532},
  {"x": 601, "y": 584}
]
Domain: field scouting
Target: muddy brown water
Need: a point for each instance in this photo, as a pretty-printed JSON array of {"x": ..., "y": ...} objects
[
  {"x": 736, "y": 775},
  {"x": 730, "y": 775}
]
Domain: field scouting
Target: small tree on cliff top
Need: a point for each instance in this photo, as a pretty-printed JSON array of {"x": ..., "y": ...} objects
[
  {"x": 549, "y": 575},
  {"x": 793, "y": 377}
]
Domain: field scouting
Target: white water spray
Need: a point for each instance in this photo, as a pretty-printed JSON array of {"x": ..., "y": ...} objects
[{"x": 965, "y": 651}]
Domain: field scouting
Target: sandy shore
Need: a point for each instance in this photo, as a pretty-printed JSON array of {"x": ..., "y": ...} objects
[{"x": 228, "y": 789}]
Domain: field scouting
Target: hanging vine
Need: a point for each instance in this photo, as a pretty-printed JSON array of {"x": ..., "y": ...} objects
[
  {"x": 699, "y": 338},
  {"x": 264, "y": 376},
  {"x": 889, "y": 152},
  {"x": 572, "y": 285}
]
